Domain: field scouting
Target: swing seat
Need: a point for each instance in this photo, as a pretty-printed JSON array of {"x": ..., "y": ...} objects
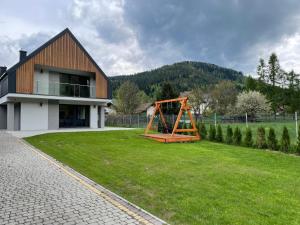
[{"x": 173, "y": 136}]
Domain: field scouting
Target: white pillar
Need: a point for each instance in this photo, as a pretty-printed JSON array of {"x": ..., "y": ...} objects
[
  {"x": 10, "y": 116},
  {"x": 93, "y": 116},
  {"x": 102, "y": 116}
]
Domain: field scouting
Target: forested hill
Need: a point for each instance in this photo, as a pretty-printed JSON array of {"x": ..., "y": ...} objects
[{"x": 183, "y": 76}]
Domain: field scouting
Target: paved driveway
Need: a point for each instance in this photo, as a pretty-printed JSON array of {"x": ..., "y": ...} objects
[{"x": 34, "y": 189}]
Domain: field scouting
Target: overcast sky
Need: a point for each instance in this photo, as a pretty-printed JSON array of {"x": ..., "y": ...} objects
[{"x": 128, "y": 36}]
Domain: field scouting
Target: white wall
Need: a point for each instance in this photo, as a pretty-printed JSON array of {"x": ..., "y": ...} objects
[
  {"x": 93, "y": 116},
  {"x": 34, "y": 116}
]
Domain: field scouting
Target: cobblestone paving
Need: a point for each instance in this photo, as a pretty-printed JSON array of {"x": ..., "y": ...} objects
[{"x": 34, "y": 191}]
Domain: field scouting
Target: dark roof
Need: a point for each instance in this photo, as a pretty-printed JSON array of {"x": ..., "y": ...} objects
[{"x": 38, "y": 50}]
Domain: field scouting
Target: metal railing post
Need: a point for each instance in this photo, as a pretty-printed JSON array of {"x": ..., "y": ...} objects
[{"x": 296, "y": 119}]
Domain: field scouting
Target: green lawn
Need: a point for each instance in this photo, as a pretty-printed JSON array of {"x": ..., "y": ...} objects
[
  {"x": 277, "y": 126},
  {"x": 191, "y": 183}
]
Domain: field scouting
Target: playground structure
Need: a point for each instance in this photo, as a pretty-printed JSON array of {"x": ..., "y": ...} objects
[{"x": 173, "y": 136}]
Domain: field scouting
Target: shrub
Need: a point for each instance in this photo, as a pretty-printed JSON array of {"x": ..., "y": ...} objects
[
  {"x": 261, "y": 138},
  {"x": 202, "y": 130},
  {"x": 298, "y": 141},
  {"x": 272, "y": 141},
  {"x": 219, "y": 136},
  {"x": 248, "y": 142},
  {"x": 229, "y": 135},
  {"x": 285, "y": 140},
  {"x": 212, "y": 133},
  {"x": 237, "y": 136}
]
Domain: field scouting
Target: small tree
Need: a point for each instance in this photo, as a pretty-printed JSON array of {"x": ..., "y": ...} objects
[
  {"x": 261, "y": 138},
  {"x": 298, "y": 141},
  {"x": 285, "y": 140},
  {"x": 252, "y": 102},
  {"x": 248, "y": 142},
  {"x": 237, "y": 136},
  {"x": 128, "y": 98},
  {"x": 272, "y": 141},
  {"x": 212, "y": 133},
  {"x": 229, "y": 135},
  {"x": 219, "y": 136},
  {"x": 202, "y": 130}
]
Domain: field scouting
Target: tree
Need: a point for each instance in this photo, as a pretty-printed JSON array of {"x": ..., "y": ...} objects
[
  {"x": 219, "y": 135},
  {"x": 248, "y": 142},
  {"x": 261, "y": 138},
  {"x": 202, "y": 130},
  {"x": 237, "y": 136},
  {"x": 198, "y": 99},
  {"x": 229, "y": 135},
  {"x": 212, "y": 133},
  {"x": 168, "y": 92},
  {"x": 273, "y": 69},
  {"x": 251, "y": 102},
  {"x": 285, "y": 140},
  {"x": 224, "y": 96},
  {"x": 272, "y": 141},
  {"x": 128, "y": 98},
  {"x": 261, "y": 70}
]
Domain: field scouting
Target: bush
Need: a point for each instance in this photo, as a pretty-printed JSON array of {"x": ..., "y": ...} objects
[
  {"x": 219, "y": 136},
  {"x": 202, "y": 130},
  {"x": 212, "y": 133},
  {"x": 248, "y": 142},
  {"x": 298, "y": 141},
  {"x": 285, "y": 140},
  {"x": 272, "y": 141},
  {"x": 261, "y": 138},
  {"x": 237, "y": 136},
  {"x": 229, "y": 135}
]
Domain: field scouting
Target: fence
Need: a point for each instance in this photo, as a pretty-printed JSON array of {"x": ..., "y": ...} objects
[{"x": 141, "y": 120}]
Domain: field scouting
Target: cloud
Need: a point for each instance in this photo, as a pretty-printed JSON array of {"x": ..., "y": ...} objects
[{"x": 128, "y": 36}]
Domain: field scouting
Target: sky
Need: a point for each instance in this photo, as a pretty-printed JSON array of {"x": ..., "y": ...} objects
[{"x": 130, "y": 36}]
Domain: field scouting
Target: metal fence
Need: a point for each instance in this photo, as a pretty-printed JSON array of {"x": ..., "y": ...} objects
[{"x": 141, "y": 120}]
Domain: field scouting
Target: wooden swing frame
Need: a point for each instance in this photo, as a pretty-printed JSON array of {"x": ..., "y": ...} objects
[{"x": 174, "y": 136}]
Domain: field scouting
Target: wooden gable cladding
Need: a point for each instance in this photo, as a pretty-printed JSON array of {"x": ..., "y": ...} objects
[{"x": 64, "y": 53}]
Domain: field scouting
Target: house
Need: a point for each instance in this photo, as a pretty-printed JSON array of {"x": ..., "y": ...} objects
[{"x": 58, "y": 85}]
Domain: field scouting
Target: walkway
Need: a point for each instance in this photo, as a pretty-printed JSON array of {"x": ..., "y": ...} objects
[{"x": 35, "y": 189}]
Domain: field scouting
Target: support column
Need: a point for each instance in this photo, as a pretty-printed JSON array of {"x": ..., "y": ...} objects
[
  {"x": 93, "y": 117},
  {"x": 10, "y": 116},
  {"x": 102, "y": 116}
]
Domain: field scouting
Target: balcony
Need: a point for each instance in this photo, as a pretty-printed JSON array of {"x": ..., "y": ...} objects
[{"x": 64, "y": 89}]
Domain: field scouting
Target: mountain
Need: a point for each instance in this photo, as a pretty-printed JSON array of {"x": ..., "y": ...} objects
[{"x": 183, "y": 76}]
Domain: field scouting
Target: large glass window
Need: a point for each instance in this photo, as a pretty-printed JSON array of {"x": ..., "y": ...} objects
[
  {"x": 74, "y": 116},
  {"x": 74, "y": 85}
]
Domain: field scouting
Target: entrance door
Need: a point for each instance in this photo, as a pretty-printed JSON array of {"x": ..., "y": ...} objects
[{"x": 74, "y": 116}]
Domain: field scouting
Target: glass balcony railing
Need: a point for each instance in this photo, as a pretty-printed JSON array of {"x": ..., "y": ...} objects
[{"x": 64, "y": 89}]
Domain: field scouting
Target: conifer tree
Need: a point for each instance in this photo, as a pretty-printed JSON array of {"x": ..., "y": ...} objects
[
  {"x": 212, "y": 133},
  {"x": 272, "y": 141},
  {"x": 229, "y": 135},
  {"x": 261, "y": 138},
  {"x": 237, "y": 136},
  {"x": 285, "y": 140},
  {"x": 202, "y": 130},
  {"x": 248, "y": 142},
  {"x": 219, "y": 136}
]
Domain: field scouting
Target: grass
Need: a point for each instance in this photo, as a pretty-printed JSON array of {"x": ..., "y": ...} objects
[
  {"x": 278, "y": 127},
  {"x": 190, "y": 183}
]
